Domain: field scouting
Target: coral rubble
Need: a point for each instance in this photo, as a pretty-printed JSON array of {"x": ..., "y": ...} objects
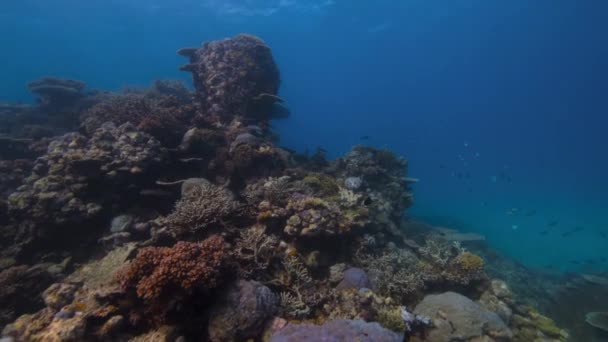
[{"x": 173, "y": 215}]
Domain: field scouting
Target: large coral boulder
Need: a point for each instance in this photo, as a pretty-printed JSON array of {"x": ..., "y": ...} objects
[
  {"x": 457, "y": 318},
  {"x": 234, "y": 77},
  {"x": 335, "y": 331},
  {"x": 242, "y": 312}
]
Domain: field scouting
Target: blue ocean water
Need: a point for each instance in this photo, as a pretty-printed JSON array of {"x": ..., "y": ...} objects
[{"x": 499, "y": 106}]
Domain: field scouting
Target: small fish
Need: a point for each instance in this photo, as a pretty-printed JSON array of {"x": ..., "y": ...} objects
[
  {"x": 570, "y": 232},
  {"x": 466, "y": 144},
  {"x": 441, "y": 166},
  {"x": 531, "y": 212},
  {"x": 552, "y": 223},
  {"x": 514, "y": 227},
  {"x": 544, "y": 232},
  {"x": 512, "y": 211},
  {"x": 365, "y": 137},
  {"x": 576, "y": 262},
  {"x": 603, "y": 235}
]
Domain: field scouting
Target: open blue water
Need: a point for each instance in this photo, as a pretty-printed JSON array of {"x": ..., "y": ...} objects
[{"x": 498, "y": 105}]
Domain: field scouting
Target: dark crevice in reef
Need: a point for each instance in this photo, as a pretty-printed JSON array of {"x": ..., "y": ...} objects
[{"x": 163, "y": 214}]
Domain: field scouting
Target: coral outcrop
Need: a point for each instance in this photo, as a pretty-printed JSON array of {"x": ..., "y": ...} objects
[{"x": 234, "y": 78}]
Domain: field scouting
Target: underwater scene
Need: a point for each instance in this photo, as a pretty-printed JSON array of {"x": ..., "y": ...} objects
[{"x": 303, "y": 170}]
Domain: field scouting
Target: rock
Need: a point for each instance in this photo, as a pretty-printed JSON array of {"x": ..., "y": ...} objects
[
  {"x": 337, "y": 330},
  {"x": 242, "y": 311},
  {"x": 59, "y": 295},
  {"x": 354, "y": 278},
  {"x": 121, "y": 223},
  {"x": 456, "y": 317}
]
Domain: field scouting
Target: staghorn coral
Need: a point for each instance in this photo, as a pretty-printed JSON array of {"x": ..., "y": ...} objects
[
  {"x": 157, "y": 272},
  {"x": 255, "y": 250},
  {"x": 451, "y": 263},
  {"x": 201, "y": 209},
  {"x": 234, "y": 77},
  {"x": 395, "y": 273}
]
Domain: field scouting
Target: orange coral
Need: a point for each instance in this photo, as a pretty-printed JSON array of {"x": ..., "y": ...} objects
[{"x": 185, "y": 266}]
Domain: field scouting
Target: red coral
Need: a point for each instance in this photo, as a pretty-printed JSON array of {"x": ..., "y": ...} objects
[{"x": 156, "y": 271}]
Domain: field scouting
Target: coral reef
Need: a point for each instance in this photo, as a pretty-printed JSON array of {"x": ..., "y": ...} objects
[{"x": 174, "y": 216}]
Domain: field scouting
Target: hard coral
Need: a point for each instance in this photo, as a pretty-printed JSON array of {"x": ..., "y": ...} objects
[
  {"x": 204, "y": 207},
  {"x": 166, "y": 117},
  {"x": 162, "y": 271},
  {"x": 235, "y": 77},
  {"x": 77, "y": 174}
]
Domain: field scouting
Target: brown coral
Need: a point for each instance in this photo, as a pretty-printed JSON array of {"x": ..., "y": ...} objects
[{"x": 159, "y": 271}]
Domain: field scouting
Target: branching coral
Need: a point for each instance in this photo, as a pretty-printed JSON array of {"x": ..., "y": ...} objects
[
  {"x": 451, "y": 263},
  {"x": 255, "y": 250},
  {"x": 394, "y": 273},
  {"x": 298, "y": 295},
  {"x": 204, "y": 207},
  {"x": 439, "y": 251},
  {"x": 158, "y": 272}
]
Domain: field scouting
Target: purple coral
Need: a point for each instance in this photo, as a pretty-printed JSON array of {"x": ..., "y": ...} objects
[{"x": 354, "y": 278}]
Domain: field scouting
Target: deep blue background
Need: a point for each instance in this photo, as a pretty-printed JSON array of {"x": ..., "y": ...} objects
[{"x": 480, "y": 88}]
